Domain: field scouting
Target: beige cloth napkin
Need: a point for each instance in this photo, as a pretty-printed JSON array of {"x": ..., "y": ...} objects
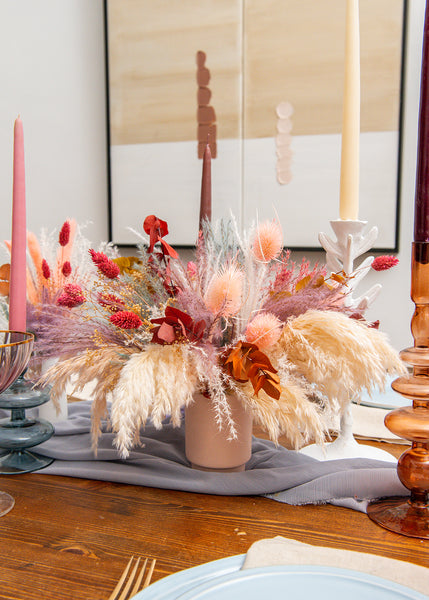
[
  {"x": 284, "y": 551},
  {"x": 368, "y": 423}
]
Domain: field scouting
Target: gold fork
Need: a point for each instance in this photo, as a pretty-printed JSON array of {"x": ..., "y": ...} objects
[{"x": 122, "y": 589}]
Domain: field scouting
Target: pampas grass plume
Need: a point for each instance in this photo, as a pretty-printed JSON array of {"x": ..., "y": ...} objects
[
  {"x": 224, "y": 291},
  {"x": 155, "y": 383},
  {"x": 264, "y": 330},
  {"x": 268, "y": 241},
  {"x": 339, "y": 355}
]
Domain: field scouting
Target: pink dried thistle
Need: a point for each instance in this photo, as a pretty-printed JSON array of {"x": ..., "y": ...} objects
[
  {"x": 264, "y": 330},
  {"x": 224, "y": 291},
  {"x": 64, "y": 236},
  {"x": 384, "y": 262},
  {"x": 125, "y": 319},
  {"x": 46, "y": 271},
  {"x": 66, "y": 269},
  {"x": 72, "y": 296},
  {"x": 268, "y": 241}
]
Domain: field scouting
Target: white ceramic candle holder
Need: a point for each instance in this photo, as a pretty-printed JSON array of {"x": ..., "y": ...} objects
[
  {"x": 351, "y": 242},
  {"x": 49, "y": 411}
]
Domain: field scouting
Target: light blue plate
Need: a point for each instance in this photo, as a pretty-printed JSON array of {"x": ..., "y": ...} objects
[
  {"x": 389, "y": 399},
  {"x": 172, "y": 586},
  {"x": 223, "y": 580}
]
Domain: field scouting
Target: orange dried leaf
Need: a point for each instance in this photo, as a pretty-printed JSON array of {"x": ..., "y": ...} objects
[
  {"x": 338, "y": 277},
  {"x": 301, "y": 284}
]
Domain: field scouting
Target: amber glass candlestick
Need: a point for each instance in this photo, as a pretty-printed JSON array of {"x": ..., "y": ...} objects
[{"x": 410, "y": 516}]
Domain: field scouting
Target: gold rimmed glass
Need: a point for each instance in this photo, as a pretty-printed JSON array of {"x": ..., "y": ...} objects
[{"x": 15, "y": 352}]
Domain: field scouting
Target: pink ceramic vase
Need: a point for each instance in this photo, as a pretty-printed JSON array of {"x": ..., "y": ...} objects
[{"x": 208, "y": 447}]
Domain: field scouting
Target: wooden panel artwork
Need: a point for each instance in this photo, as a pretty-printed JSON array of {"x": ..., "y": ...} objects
[{"x": 184, "y": 72}]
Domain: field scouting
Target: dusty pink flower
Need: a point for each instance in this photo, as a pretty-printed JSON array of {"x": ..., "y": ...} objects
[
  {"x": 72, "y": 296},
  {"x": 224, "y": 291},
  {"x": 66, "y": 269},
  {"x": 64, "y": 236},
  {"x": 268, "y": 241},
  {"x": 191, "y": 268},
  {"x": 46, "y": 271},
  {"x": 125, "y": 319},
  {"x": 384, "y": 262},
  {"x": 264, "y": 330}
]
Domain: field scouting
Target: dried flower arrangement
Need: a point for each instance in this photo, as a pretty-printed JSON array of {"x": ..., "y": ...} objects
[
  {"x": 58, "y": 269},
  {"x": 242, "y": 317}
]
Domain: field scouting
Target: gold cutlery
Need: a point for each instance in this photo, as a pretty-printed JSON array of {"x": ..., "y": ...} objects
[{"x": 123, "y": 589}]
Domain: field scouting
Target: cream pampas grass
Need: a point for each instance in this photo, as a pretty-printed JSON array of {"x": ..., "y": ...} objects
[
  {"x": 341, "y": 356},
  {"x": 295, "y": 415},
  {"x": 213, "y": 380},
  {"x": 156, "y": 383},
  {"x": 101, "y": 366}
]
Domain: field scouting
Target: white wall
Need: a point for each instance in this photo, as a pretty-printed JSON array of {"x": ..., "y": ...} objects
[{"x": 52, "y": 74}]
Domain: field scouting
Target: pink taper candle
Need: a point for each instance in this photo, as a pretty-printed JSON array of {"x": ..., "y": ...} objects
[
  {"x": 421, "y": 206},
  {"x": 18, "y": 263},
  {"x": 206, "y": 187},
  {"x": 349, "y": 182}
]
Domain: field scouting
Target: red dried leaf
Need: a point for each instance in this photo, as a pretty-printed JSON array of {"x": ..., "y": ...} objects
[{"x": 177, "y": 326}]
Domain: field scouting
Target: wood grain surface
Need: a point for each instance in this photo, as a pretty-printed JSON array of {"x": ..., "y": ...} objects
[{"x": 69, "y": 538}]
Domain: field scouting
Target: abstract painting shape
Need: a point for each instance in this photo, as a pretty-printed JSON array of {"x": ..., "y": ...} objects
[
  {"x": 283, "y": 142},
  {"x": 206, "y": 116}
]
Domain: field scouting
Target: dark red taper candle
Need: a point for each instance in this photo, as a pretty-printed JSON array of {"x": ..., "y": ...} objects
[
  {"x": 206, "y": 187},
  {"x": 421, "y": 208}
]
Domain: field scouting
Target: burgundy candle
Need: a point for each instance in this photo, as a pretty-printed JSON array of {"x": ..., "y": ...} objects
[
  {"x": 421, "y": 207},
  {"x": 206, "y": 187}
]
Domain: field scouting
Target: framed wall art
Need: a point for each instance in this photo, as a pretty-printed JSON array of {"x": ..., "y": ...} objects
[{"x": 262, "y": 80}]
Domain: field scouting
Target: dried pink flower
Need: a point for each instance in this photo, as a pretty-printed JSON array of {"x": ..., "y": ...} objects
[
  {"x": 66, "y": 269},
  {"x": 104, "y": 264},
  {"x": 64, "y": 236},
  {"x": 224, "y": 291},
  {"x": 384, "y": 262},
  {"x": 268, "y": 241},
  {"x": 264, "y": 330},
  {"x": 110, "y": 301},
  {"x": 97, "y": 257},
  {"x": 46, "y": 271},
  {"x": 72, "y": 296},
  {"x": 125, "y": 319},
  {"x": 109, "y": 269}
]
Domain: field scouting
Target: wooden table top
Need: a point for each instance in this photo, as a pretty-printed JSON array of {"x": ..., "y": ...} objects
[{"x": 70, "y": 538}]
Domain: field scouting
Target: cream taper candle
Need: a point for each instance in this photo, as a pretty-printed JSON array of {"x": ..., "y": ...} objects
[{"x": 349, "y": 181}]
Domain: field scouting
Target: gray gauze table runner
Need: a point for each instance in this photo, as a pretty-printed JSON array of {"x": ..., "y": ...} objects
[{"x": 273, "y": 471}]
